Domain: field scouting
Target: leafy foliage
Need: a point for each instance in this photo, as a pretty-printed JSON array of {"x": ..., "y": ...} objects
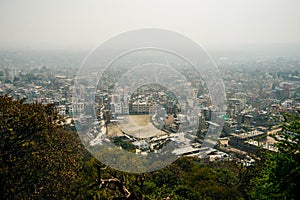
[
  {"x": 124, "y": 144},
  {"x": 280, "y": 179},
  {"x": 39, "y": 159}
]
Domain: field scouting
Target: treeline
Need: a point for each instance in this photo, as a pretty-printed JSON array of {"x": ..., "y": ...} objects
[{"x": 41, "y": 158}]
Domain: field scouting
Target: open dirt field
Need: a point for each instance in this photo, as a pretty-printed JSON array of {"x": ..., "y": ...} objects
[
  {"x": 140, "y": 120},
  {"x": 138, "y": 126}
]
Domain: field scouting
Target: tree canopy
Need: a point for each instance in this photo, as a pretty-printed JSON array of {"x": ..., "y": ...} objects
[
  {"x": 280, "y": 177},
  {"x": 39, "y": 158}
]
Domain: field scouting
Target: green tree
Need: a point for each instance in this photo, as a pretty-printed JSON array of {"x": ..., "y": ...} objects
[
  {"x": 39, "y": 159},
  {"x": 281, "y": 177}
]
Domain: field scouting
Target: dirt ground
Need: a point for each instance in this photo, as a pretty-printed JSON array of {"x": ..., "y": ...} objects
[
  {"x": 138, "y": 126},
  {"x": 140, "y": 120}
]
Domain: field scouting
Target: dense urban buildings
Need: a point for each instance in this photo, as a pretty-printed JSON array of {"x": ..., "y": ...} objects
[{"x": 258, "y": 93}]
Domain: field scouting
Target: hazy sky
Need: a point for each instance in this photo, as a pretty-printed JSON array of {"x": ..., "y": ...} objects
[{"x": 42, "y": 24}]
